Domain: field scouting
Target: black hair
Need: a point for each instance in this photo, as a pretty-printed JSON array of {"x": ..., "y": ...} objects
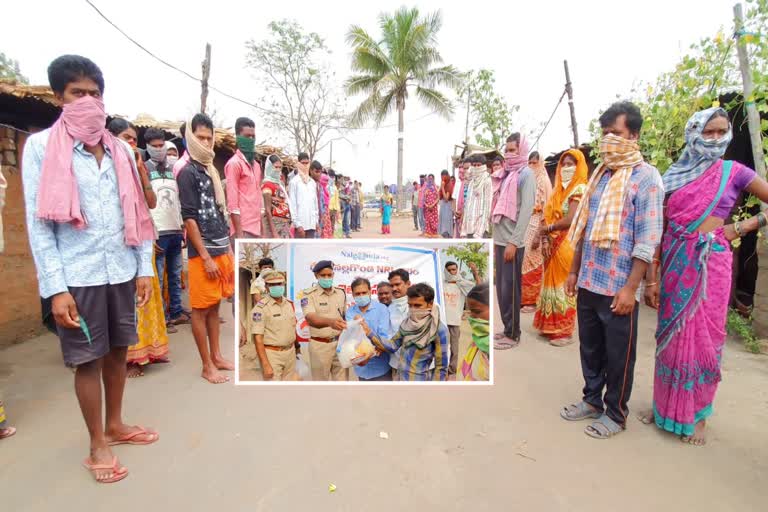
[
  {"x": 266, "y": 261},
  {"x": 432, "y": 176},
  {"x": 201, "y": 120},
  {"x": 498, "y": 159},
  {"x": 302, "y": 156},
  {"x": 415, "y": 182},
  {"x": 316, "y": 165},
  {"x": 70, "y": 68},
  {"x": 274, "y": 158},
  {"x": 332, "y": 173},
  {"x": 634, "y": 118},
  {"x": 422, "y": 290},
  {"x": 404, "y": 275},
  {"x": 358, "y": 281},
  {"x": 450, "y": 263},
  {"x": 153, "y": 134},
  {"x": 515, "y": 137},
  {"x": 444, "y": 173},
  {"x": 423, "y": 176},
  {"x": 243, "y": 122},
  {"x": 183, "y": 129},
  {"x": 534, "y": 156},
  {"x": 479, "y": 293},
  {"x": 480, "y": 159},
  {"x": 383, "y": 284},
  {"x": 719, "y": 113},
  {"x": 118, "y": 125}
]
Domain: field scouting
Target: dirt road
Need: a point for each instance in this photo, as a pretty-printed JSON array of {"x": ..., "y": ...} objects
[{"x": 449, "y": 448}]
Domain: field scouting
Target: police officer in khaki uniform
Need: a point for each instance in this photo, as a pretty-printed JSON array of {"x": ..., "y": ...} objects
[
  {"x": 273, "y": 326},
  {"x": 324, "y": 308}
]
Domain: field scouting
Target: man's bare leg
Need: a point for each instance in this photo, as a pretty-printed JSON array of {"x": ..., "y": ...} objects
[
  {"x": 200, "y": 332},
  {"x": 88, "y": 391},
  {"x": 113, "y": 375},
  {"x": 214, "y": 330}
]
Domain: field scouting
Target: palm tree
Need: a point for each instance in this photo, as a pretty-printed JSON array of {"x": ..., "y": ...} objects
[{"x": 405, "y": 59}]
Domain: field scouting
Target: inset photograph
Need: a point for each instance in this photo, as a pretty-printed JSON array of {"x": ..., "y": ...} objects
[{"x": 363, "y": 311}]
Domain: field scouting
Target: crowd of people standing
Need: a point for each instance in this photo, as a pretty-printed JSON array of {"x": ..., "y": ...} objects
[{"x": 590, "y": 248}]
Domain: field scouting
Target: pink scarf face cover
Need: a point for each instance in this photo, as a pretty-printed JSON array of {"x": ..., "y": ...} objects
[
  {"x": 505, "y": 183},
  {"x": 58, "y": 199}
]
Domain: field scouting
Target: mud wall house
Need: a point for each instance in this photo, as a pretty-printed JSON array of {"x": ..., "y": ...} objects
[{"x": 23, "y": 110}]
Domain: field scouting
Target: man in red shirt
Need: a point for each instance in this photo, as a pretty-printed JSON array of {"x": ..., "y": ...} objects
[{"x": 243, "y": 173}]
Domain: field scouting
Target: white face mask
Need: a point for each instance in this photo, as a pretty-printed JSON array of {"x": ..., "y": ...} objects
[
  {"x": 171, "y": 160},
  {"x": 566, "y": 174}
]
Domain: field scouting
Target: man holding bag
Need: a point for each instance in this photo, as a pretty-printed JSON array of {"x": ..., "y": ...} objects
[
  {"x": 273, "y": 323},
  {"x": 325, "y": 307},
  {"x": 376, "y": 325}
]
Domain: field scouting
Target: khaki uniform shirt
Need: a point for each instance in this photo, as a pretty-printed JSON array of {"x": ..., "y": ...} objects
[
  {"x": 275, "y": 321},
  {"x": 328, "y": 304}
]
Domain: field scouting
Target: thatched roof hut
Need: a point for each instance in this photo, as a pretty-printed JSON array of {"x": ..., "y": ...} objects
[
  {"x": 35, "y": 107},
  {"x": 27, "y": 107}
]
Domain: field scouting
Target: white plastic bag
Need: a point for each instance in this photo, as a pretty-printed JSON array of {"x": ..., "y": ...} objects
[
  {"x": 353, "y": 344},
  {"x": 302, "y": 369}
]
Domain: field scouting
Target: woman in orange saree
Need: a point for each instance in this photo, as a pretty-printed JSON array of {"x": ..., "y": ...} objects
[{"x": 555, "y": 311}]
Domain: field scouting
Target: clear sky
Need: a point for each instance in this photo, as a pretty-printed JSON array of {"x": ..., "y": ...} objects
[{"x": 611, "y": 46}]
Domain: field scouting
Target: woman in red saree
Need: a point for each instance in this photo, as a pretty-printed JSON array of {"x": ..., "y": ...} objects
[
  {"x": 533, "y": 262},
  {"x": 692, "y": 290},
  {"x": 431, "y": 198}
]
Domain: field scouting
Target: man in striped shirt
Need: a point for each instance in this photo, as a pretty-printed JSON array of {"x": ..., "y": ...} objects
[{"x": 421, "y": 339}]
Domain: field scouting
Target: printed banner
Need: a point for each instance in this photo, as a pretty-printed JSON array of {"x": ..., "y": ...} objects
[{"x": 372, "y": 263}]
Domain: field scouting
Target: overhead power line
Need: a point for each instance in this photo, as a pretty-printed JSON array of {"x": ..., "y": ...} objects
[
  {"x": 550, "y": 119},
  {"x": 225, "y": 94},
  {"x": 166, "y": 63}
]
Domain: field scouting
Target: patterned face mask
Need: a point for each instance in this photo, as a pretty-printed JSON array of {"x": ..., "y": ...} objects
[{"x": 481, "y": 330}]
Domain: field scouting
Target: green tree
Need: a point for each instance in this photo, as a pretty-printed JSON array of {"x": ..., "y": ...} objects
[
  {"x": 710, "y": 68},
  {"x": 472, "y": 252},
  {"x": 404, "y": 59},
  {"x": 292, "y": 65},
  {"x": 490, "y": 113},
  {"x": 9, "y": 69}
]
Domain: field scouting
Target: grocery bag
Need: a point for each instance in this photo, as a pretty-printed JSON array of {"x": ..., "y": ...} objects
[{"x": 353, "y": 343}]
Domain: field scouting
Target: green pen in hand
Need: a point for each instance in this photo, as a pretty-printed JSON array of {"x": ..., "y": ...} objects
[{"x": 84, "y": 328}]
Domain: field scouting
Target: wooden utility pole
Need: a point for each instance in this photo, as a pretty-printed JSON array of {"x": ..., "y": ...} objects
[
  {"x": 206, "y": 75},
  {"x": 569, "y": 91},
  {"x": 753, "y": 117},
  {"x": 760, "y": 305},
  {"x": 330, "y": 165}
]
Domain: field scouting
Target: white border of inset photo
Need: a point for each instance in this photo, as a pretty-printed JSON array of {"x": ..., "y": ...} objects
[{"x": 358, "y": 243}]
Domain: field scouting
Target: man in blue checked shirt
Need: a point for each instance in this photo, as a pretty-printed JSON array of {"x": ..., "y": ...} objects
[
  {"x": 421, "y": 339},
  {"x": 376, "y": 316}
]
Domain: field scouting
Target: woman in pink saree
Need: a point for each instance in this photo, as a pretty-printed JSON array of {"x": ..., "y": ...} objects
[{"x": 695, "y": 277}]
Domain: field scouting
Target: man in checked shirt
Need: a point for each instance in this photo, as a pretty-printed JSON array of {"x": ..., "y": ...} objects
[{"x": 615, "y": 232}]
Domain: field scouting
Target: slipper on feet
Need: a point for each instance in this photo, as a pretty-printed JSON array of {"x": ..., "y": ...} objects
[
  {"x": 7, "y": 432},
  {"x": 603, "y": 428},
  {"x": 117, "y": 473},
  {"x": 579, "y": 411},
  {"x": 130, "y": 438}
]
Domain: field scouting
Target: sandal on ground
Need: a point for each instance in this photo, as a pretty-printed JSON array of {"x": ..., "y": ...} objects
[
  {"x": 528, "y": 309},
  {"x": 580, "y": 411},
  {"x": 131, "y": 438},
  {"x": 505, "y": 343},
  {"x": 561, "y": 342},
  {"x": 7, "y": 432},
  {"x": 183, "y": 318},
  {"x": 603, "y": 428},
  {"x": 118, "y": 473},
  {"x": 498, "y": 335}
]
